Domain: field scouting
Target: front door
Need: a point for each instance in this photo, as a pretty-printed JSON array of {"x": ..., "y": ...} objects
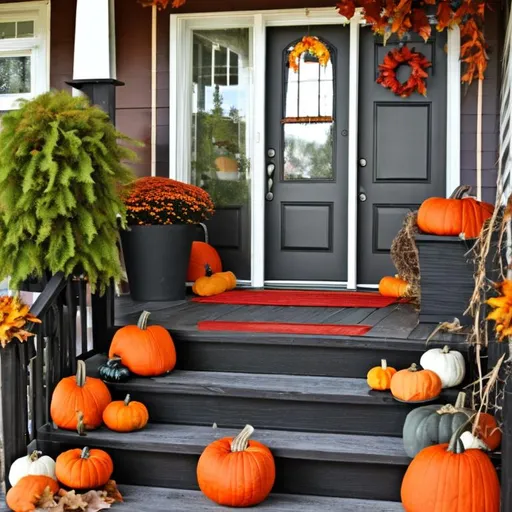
[
  {"x": 402, "y": 150},
  {"x": 306, "y": 158}
]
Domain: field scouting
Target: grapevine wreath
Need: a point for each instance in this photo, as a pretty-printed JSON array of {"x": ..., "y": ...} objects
[{"x": 404, "y": 56}]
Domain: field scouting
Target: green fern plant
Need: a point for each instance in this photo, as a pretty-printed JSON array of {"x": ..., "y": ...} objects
[{"x": 61, "y": 175}]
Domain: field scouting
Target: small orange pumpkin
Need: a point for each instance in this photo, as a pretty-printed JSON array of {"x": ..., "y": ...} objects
[
  {"x": 125, "y": 415},
  {"x": 454, "y": 216},
  {"x": 488, "y": 430},
  {"x": 236, "y": 472},
  {"x": 84, "y": 469},
  {"x": 147, "y": 351},
  {"x": 79, "y": 393},
  {"x": 393, "y": 287},
  {"x": 202, "y": 254},
  {"x": 415, "y": 385},
  {"x": 25, "y": 495},
  {"x": 229, "y": 277},
  {"x": 379, "y": 378},
  {"x": 445, "y": 478},
  {"x": 210, "y": 284}
]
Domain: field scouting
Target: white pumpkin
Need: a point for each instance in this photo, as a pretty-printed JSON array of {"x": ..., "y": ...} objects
[
  {"x": 32, "y": 464},
  {"x": 472, "y": 442},
  {"x": 448, "y": 364}
]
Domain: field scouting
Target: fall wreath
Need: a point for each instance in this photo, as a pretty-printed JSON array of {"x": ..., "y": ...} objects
[
  {"x": 416, "y": 81},
  {"x": 311, "y": 45}
]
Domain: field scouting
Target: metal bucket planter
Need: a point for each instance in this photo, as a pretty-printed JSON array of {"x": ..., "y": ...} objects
[{"x": 156, "y": 259}]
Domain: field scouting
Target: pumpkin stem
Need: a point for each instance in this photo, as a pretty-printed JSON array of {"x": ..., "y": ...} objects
[
  {"x": 413, "y": 367},
  {"x": 446, "y": 349},
  {"x": 205, "y": 229},
  {"x": 383, "y": 364},
  {"x": 80, "y": 425},
  {"x": 113, "y": 360},
  {"x": 208, "y": 272},
  {"x": 142, "y": 323},
  {"x": 127, "y": 399},
  {"x": 34, "y": 455},
  {"x": 456, "y": 445},
  {"x": 241, "y": 441},
  {"x": 81, "y": 374},
  {"x": 460, "y": 192},
  {"x": 461, "y": 400},
  {"x": 85, "y": 453}
]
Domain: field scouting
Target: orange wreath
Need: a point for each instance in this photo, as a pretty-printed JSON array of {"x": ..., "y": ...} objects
[
  {"x": 416, "y": 81},
  {"x": 312, "y": 45}
]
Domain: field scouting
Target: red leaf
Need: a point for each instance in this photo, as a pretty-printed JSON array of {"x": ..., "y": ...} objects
[
  {"x": 346, "y": 8},
  {"x": 444, "y": 15},
  {"x": 420, "y": 23}
]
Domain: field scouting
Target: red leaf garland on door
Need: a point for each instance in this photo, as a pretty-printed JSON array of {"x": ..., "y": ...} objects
[
  {"x": 416, "y": 81},
  {"x": 388, "y": 17}
]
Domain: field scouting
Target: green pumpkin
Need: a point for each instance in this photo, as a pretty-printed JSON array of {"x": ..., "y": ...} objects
[
  {"x": 114, "y": 371},
  {"x": 433, "y": 424}
]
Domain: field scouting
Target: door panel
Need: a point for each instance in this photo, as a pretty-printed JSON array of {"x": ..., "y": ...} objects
[
  {"x": 306, "y": 201},
  {"x": 402, "y": 150}
]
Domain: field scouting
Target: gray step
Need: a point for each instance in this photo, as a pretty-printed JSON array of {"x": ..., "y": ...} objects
[
  {"x": 337, "y": 465},
  {"x": 151, "y": 499},
  {"x": 289, "y": 402}
]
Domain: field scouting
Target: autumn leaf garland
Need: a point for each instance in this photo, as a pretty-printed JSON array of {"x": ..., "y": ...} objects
[
  {"x": 388, "y": 17},
  {"x": 14, "y": 315}
]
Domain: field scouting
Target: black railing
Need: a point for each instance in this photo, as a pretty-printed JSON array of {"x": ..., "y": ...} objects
[{"x": 75, "y": 324}]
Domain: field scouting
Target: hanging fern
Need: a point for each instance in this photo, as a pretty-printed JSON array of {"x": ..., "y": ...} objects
[{"x": 60, "y": 175}]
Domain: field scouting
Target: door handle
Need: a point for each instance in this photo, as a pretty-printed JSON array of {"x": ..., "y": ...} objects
[
  {"x": 362, "y": 162},
  {"x": 270, "y": 194},
  {"x": 362, "y": 197}
]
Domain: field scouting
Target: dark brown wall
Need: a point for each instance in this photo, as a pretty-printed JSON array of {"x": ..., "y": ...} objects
[{"x": 133, "y": 25}]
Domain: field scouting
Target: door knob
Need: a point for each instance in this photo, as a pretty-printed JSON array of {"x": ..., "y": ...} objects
[
  {"x": 362, "y": 197},
  {"x": 362, "y": 162},
  {"x": 270, "y": 194}
]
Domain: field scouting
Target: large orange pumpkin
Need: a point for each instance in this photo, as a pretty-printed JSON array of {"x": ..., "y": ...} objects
[
  {"x": 125, "y": 415},
  {"x": 147, "y": 351},
  {"x": 84, "y": 468},
  {"x": 455, "y": 215},
  {"x": 79, "y": 394},
  {"x": 393, "y": 287},
  {"x": 236, "y": 472},
  {"x": 202, "y": 254},
  {"x": 24, "y": 496},
  {"x": 415, "y": 385},
  {"x": 446, "y": 478}
]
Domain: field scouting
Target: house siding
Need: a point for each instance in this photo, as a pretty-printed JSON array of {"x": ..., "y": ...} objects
[{"x": 133, "y": 34}]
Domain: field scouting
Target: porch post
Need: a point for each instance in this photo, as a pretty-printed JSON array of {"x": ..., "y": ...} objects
[{"x": 94, "y": 67}]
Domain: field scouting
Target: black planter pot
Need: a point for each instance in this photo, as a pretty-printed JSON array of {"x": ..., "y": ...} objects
[{"x": 156, "y": 259}]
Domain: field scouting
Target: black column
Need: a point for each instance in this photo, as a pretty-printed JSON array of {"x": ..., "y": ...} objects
[{"x": 102, "y": 92}]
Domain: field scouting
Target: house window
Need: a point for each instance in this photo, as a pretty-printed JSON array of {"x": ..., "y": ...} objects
[
  {"x": 308, "y": 118},
  {"x": 24, "y": 61}
]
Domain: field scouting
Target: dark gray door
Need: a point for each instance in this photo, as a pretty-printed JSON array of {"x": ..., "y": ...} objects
[
  {"x": 306, "y": 158},
  {"x": 402, "y": 150}
]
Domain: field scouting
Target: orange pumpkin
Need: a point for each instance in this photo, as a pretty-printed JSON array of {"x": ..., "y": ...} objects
[
  {"x": 445, "y": 478},
  {"x": 25, "y": 495},
  {"x": 379, "y": 378},
  {"x": 229, "y": 277},
  {"x": 147, "y": 351},
  {"x": 202, "y": 254},
  {"x": 455, "y": 215},
  {"x": 79, "y": 393},
  {"x": 125, "y": 415},
  {"x": 393, "y": 287},
  {"x": 210, "y": 284},
  {"x": 84, "y": 469},
  {"x": 415, "y": 385},
  {"x": 488, "y": 430},
  {"x": 236, "y": 472}
]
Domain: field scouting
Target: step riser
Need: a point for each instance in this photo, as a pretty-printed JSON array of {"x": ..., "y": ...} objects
[
  {"x": 294, "y": 476},
  {"x": 289, "y": 359},
  {"x": 309, "y": 416}
]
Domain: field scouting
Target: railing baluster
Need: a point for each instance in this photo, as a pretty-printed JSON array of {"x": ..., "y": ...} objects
[
  {"x": 71, "y": 321},
  {"x": 82, "y": 300},
  {"x": 37, "y": 381}
]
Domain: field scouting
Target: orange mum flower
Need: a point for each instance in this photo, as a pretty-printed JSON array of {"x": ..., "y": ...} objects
[
  {"x": 502, "y": 312},
  {"x": 153, "y": 200},
  {"x": 14, "y": 315}
]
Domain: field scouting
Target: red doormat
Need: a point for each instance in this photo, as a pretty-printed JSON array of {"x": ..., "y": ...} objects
[
  {"x": 284, "y": 328},
  {"x": 300, "y": 298}
]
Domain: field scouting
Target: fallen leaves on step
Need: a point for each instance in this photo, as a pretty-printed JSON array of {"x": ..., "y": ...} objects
[
  {"x": 451, "y": 327},
  {"x": 91, "y": 501}
]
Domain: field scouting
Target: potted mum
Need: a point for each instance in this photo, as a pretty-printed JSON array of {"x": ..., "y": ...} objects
[
  {"x": 61, "y": 168},
  {"x": 162, "y": 215}
]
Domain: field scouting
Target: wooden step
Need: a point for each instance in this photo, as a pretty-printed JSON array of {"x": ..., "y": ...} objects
[
  {"x": 288, "y": 402},
  {"x": 154, "y": 499},
  {"x": 336, "y": 465}
]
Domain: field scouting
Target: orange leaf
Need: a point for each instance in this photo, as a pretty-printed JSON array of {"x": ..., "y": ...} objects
[
  {"x": 444, "y": 15},
  {"x": 420, "y": 23}
]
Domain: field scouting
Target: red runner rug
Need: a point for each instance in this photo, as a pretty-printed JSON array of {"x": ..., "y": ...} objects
[
  {"x": 300, "y": 298},
  {"x": 284, "y": 328}
]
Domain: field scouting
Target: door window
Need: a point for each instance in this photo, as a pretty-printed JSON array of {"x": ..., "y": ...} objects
[{"x": 308, "y": 120}]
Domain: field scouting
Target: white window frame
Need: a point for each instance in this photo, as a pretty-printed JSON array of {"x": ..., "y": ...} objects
[
  {"x": 37, "y": 47},
  {"x": 182, "y": 26}
]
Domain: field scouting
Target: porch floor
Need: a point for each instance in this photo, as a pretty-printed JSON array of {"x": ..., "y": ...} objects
[{"x": 395, "y": 322}]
